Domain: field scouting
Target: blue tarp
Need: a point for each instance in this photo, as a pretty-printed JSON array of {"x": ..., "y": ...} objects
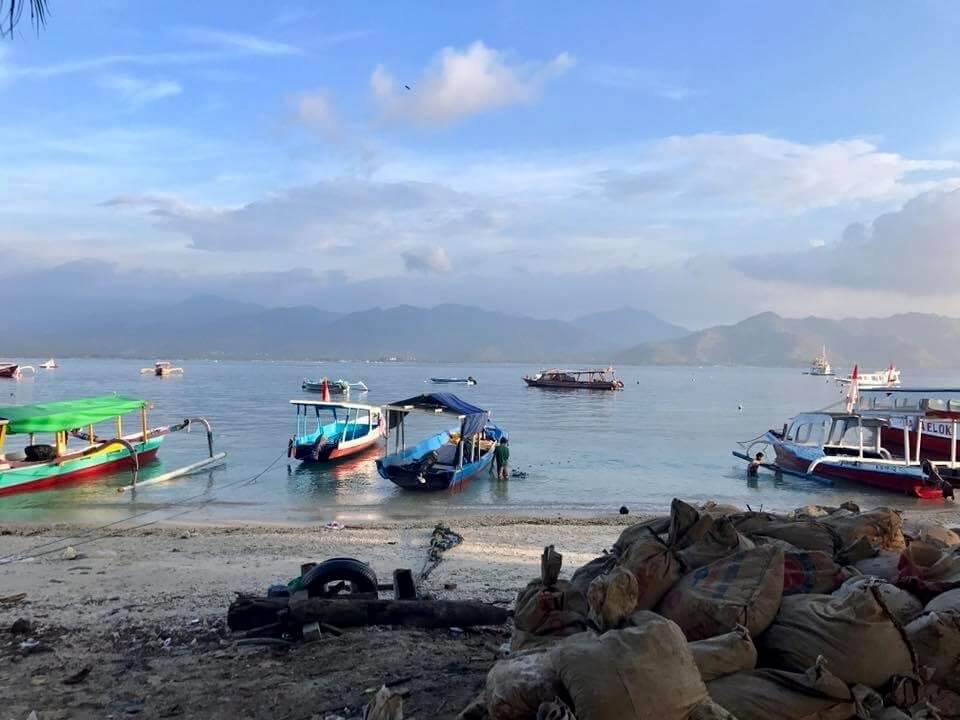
[{"x": 474, "y": 418}]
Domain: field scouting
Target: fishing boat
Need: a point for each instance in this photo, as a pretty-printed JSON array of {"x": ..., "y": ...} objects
[
  {"x": 14, "y": 370},
  {"x": 601, "y": 379},
  {"x": 849, "y": 444},
  {"x": 331, "y": 430},
  {"x": 469, "y": 380},
  {"x": 820, "y": 365},
  {"x": 162, "y": 368},
  {"x": 335, "y": 387},
  {"x": 447, "y": 460},
  {"x": 50, "y": 364},
  {"x": 37, "y": 465},
  {"x": 879, "y": 379}
]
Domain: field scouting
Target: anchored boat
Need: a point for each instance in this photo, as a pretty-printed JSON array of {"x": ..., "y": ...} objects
[
  {"x": 820, "y": 365},
  {"x": 469, "y": 380},
  {"x": 331, "y": 430},
  {"x": 162, "y": 368},
  {"x": 601, "y": 379},
  {"x": 879, "y": 379},
  {"x": 50, "y": 364},
  {"x": 39, "y": 465},
  {"x": 447, "y": 460},
  {"x": 334, "y": 387}
]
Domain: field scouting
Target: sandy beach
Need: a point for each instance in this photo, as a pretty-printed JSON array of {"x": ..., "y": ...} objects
[
  {"x": 136, "y": 624},
  {"x": 145, "y": 611}
]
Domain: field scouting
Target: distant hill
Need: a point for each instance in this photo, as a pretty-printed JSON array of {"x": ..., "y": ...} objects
[
  {"x": 913, "y": 340},
  {"x": 209, "y": 326},
  {"x": 627, "y": 326}
]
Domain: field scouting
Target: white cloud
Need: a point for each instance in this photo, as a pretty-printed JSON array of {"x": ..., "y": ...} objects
[
  {"x": 734, "y": 173},
  {"x": 460, "y": 83},
  {"x": 245, "y": 43},
  {"x": 137, "y": 92},
  {"x": 427, "y": 260}
]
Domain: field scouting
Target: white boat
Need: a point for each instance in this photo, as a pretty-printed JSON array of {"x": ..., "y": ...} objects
[
  {"x": 162, "y": 368},
  {"x": 820, "y": 366},
  {"x": 50, "y": 364},
  {"x": 879, "y": 379}
]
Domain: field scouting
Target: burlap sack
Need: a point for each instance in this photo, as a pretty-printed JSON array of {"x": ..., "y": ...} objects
[
  {"x": 700, "y": 539},
  {"x": 859, "y": 640},
  {"x": 811, "y": 571},
  {"x": 927, "y": 570},
  {"x": 936, "y": 639},
  {"x": 516, "y": 686},
  {"x": 932, "y": 533},
  {"x": 946, "y": 602},
  {"x": 645, "y": 672},
  {"x": 654, "y": 566},
  {"x": 779, "y": 695},
  {"x": 542, "y": 612},
  {"x": 612, "y": 598},
  {"x": 803, "y": 534},
  {"x": 884, "y": 565},
  {"x": 744, "y": 589},
  {"x": 882, "y": 527},
  {"x": 902, "y": 605},
  {"x": 658, "y": 525},
  {"x": 725, "y": 654}
]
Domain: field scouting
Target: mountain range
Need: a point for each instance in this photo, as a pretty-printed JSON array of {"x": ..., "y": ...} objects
[{"x": 215, "y": 327}]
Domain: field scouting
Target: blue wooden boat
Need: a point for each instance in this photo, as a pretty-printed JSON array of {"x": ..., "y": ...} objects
[
  {"x": 447, "y": 460},
  {"x": 469, "y": 380}
]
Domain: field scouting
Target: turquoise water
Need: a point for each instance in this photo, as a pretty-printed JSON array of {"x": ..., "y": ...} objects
[{"x": 668, "y": 434}]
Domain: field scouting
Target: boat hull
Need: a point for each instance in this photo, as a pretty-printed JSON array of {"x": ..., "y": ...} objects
[
  {"x": 453, "y": 381},
  {"x": 38, "y": 476},
  {"x": 306, "y": 453},
  {"x": 560, "y": 385},
  {"x": 9, "y": 371},
  {"x": 908, "y": 480},
  {"x": 453, "y": 481}
]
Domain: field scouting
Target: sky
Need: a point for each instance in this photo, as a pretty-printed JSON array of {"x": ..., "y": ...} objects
[{"x": 704, "y": 161}]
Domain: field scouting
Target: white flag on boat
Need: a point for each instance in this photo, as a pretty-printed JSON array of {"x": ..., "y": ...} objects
[{"x": 853, "y": 389}]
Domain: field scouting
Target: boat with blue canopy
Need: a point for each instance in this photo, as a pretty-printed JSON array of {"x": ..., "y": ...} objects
[
  {"x": 444, "y": 461},
  {"x": 330, "y": 430}
]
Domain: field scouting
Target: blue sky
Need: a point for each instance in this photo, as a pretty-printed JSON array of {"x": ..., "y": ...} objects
[{"x": 704, "y": 160}]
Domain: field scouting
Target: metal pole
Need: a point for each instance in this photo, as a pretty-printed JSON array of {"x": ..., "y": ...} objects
[
  {"x": 919, "y": 436},
  {"x": 860, "y": 433},
  {"x": 953, "y": 446},
  {"x": 906, "y": 440}
]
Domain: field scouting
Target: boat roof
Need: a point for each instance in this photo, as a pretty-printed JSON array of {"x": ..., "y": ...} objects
[
  {"x": 940, "y": 392},
  {"x": 866, "y": 420},
  {"x": 333, "y": 404},
  {"x": 472, "y": 418},
  {"x": 586, "y": 371},
  {"x": 66, "y": 414}
]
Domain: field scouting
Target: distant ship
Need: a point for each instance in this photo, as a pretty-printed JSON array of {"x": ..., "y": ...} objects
[
  {"x": 879, "y": 379},
  {"x": 820, "y": 366}
]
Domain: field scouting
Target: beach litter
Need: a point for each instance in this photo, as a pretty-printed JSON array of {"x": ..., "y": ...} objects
[{"x": 827, "y": 613}]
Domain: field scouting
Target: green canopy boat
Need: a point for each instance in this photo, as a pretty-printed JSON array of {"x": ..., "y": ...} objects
[{"x": 37, "y": 465}]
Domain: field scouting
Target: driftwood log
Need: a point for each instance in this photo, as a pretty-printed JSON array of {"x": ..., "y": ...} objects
[
  {"x": 414, "y": 613},
  {"x": 276, "y": 615}
]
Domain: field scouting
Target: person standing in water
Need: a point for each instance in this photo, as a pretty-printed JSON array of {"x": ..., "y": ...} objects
[
  {"x": 501, "y": 455},
  {"x": 753, "y": 469}
]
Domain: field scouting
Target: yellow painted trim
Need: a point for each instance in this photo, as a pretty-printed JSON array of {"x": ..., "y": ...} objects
[{"x": 3, "y": 434}]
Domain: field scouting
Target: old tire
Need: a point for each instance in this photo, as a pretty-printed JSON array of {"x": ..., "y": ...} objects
[{"x": 326, "y": 578}]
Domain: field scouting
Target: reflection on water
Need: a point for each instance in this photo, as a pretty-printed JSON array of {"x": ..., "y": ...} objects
[{"x": 668, "y": 434}]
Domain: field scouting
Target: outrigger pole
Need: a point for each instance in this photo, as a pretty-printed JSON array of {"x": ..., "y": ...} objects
[{"x": 213, "y": 459}]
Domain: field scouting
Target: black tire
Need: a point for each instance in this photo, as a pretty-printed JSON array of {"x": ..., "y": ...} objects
[
  {"x": 354, "y": 575},
  {"x": 404, "y": 587}
]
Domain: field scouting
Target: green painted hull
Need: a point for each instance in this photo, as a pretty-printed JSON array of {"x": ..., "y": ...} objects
[{"x": 50, "y": 474}]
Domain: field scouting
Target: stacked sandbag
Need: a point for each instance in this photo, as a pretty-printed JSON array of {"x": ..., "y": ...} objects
[
  {"x": 882, "y": 527},
  {"x": 811, "y": 571},
  {"x": 725, "y": 654},
  {"x": 612, "y": 598},
  {"x": 856, "y": 634},
  {"x": 902, "y": 604},
  {"x": 936, "y": 639},
  {"x": 700, "y": 539},
  {"x": 802, "y": 534},
  {"x": 646, "y": 672},
  {"x": 743, "y": 589},
  {"x": 932, "y": 533},
  {"x": 928, "y": 570},
  {"x": 518, "y": 685},
  {"x": 779, "y": 695},
  {"x": 884, "y": 565},
  {"x": 946, "y": 602},
  {"x": 654, "y": 565},
  {"x": 548, "y": 608}
]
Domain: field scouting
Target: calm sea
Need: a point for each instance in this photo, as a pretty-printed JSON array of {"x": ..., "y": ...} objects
[{"x": 668, "y": 434}]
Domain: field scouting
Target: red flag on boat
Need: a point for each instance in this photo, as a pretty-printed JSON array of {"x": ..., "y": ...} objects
[{"x": 325, "y": 393}]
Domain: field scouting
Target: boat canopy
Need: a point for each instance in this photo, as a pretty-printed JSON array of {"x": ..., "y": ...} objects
[
  {"x": 67, "y": 414},
  {"x": 473, "y": 419}
]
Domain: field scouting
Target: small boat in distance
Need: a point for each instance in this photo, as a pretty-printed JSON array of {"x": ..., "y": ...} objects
[
  {"x": 38, "y": 465},
  {"x": 879, "y": 379},
  {"x": 602, "y": 379},
  {"x": 341, "y": 429},
  {"x": 335, "y": 387},
  {"x": 50, "y": 364},
  {"x": 9, "y": 369},
  {"x": 162, "y": 368},
  {"x": 820, "y": 365},
  {"x": 469, "y": 380},
  {"x": 447, "y": 460}
]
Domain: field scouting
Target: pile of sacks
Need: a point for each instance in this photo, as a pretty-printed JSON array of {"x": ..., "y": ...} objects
[{"x": 716, "y": 613}]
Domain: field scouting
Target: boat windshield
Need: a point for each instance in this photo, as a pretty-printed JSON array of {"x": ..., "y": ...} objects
[
  {"x": 846, "y": 432},
  {"x": 334, "y": 423}
]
